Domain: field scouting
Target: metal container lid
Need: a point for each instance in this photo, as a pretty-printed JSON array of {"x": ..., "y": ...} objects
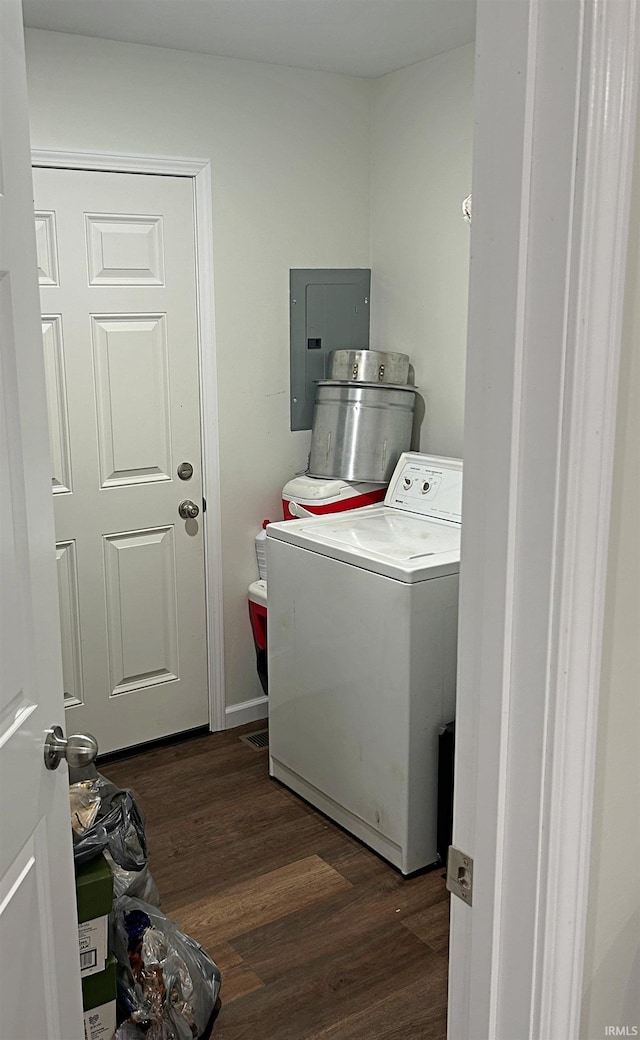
[
  {"x": 357, "y": 384},
  {"x": 377, "y": 366}
]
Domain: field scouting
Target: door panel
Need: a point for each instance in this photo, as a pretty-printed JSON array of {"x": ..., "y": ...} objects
[
  {"x": 140, "y": 569},
  {"x": 117, "y": 287},
  {"x": 46, "y": 248},
  {"x": 70, "y": 628},
  {"x": 132, "y": 395},
  {"x": 23, "y": 910},
  {"x": 57, "y": 403},
  {"x": 125, "y": 250}
]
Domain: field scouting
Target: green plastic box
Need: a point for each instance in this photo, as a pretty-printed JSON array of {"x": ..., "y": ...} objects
[
  {"x": 99, "y": 1003},
  {"x": 101, "y": 988},
  {"x": 94, "y": 895}
]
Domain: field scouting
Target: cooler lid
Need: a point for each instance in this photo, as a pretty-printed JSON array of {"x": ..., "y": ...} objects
[
  {"x": 257, "y": 592},
  {"x": 322, "y": 489}
]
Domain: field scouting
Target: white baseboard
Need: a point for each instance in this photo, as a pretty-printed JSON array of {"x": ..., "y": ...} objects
[{"x": 247, "y": 711}]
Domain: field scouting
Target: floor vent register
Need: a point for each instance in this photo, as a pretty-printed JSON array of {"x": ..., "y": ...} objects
[{"x": 257, "y": 740}]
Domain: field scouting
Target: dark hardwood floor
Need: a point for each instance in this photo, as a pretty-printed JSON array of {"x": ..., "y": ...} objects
[{"x": 315, "y": 936}]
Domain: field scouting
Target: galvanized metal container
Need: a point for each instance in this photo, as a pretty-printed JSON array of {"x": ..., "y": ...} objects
[
  {"x": 360, "y": 430},
  {"x": 369, "y": 366}
]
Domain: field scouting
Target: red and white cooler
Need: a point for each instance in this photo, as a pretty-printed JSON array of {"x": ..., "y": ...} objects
[
  {"x": 320, "y": 495},
  {"x": 257, "y": 597}
]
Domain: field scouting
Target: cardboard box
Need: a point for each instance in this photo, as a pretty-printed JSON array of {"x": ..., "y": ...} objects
[
  {"x": 100, "y": 1022},
  {"x": 99, "y": 1003},
  {"x": 94, "y": 894}
]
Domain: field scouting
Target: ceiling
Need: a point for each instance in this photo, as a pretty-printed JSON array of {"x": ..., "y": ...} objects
[{"x": 356, "y": 37}]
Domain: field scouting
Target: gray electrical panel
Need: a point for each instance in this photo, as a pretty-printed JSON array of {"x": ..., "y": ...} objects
[{"x": 329, "y": 310}]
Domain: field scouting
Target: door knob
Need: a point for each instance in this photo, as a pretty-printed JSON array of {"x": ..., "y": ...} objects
[
  {"x": 79, "y": 750},
  {"x": 188, "y": 510}
]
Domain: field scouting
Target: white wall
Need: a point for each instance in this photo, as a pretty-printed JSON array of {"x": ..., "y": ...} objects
[
  {"x": 290, "y": 154},
  {"x": 421, "y": 172},
  {"x": 293, "y": 155},
  {"x": 612, "y": 965}
]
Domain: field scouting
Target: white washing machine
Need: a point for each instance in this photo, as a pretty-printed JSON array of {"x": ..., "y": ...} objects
[{"x": 362, "y": 657}]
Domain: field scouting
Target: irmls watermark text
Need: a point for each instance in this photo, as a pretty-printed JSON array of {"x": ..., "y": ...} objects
[{"x": 621, "y": 1031}]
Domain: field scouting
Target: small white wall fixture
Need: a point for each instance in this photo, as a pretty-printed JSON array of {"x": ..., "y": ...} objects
[
  {"x": 199, "y": 170},
  {"x": 556, "y": 102}
]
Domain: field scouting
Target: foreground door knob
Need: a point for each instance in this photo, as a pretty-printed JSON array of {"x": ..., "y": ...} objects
[
  {"x": 188, "y": 510},
  {"x": 79, "y": 750}
]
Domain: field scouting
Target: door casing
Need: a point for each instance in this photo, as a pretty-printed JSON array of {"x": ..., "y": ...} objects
[
  {"x": 556, "y": 107},
  {"x": 199, "y": 171}
]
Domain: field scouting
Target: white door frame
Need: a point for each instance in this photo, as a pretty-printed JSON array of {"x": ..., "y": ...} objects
[
  {"x": 199, "y": 170},
  {"x": 555, "y": 116}
]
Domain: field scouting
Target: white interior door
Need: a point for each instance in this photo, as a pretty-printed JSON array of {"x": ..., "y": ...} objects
[
  {"x": 39, "y": 965},
  {"x": 117, "y": 286}
]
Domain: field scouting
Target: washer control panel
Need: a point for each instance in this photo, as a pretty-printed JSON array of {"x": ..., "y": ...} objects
[{"x": 427, "y": 484}]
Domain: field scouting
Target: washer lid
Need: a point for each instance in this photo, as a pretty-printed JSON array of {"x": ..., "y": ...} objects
[{"x": 377, "y": 538}]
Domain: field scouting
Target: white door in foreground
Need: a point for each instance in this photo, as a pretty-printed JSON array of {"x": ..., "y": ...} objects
[{"x": 39, "y": 964}]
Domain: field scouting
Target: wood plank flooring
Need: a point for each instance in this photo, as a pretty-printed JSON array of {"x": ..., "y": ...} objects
[{"x": 316, "y": 937}]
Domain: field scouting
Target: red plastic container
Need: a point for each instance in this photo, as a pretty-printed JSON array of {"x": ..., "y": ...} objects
[{"x": 258, "y": 612}]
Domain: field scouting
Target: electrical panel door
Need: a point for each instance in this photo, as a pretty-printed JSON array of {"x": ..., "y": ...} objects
[{"x": 329, "y": 311}]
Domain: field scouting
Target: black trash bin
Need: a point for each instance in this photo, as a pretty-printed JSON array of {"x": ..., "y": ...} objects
[{"x": 446, "y": 746}]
